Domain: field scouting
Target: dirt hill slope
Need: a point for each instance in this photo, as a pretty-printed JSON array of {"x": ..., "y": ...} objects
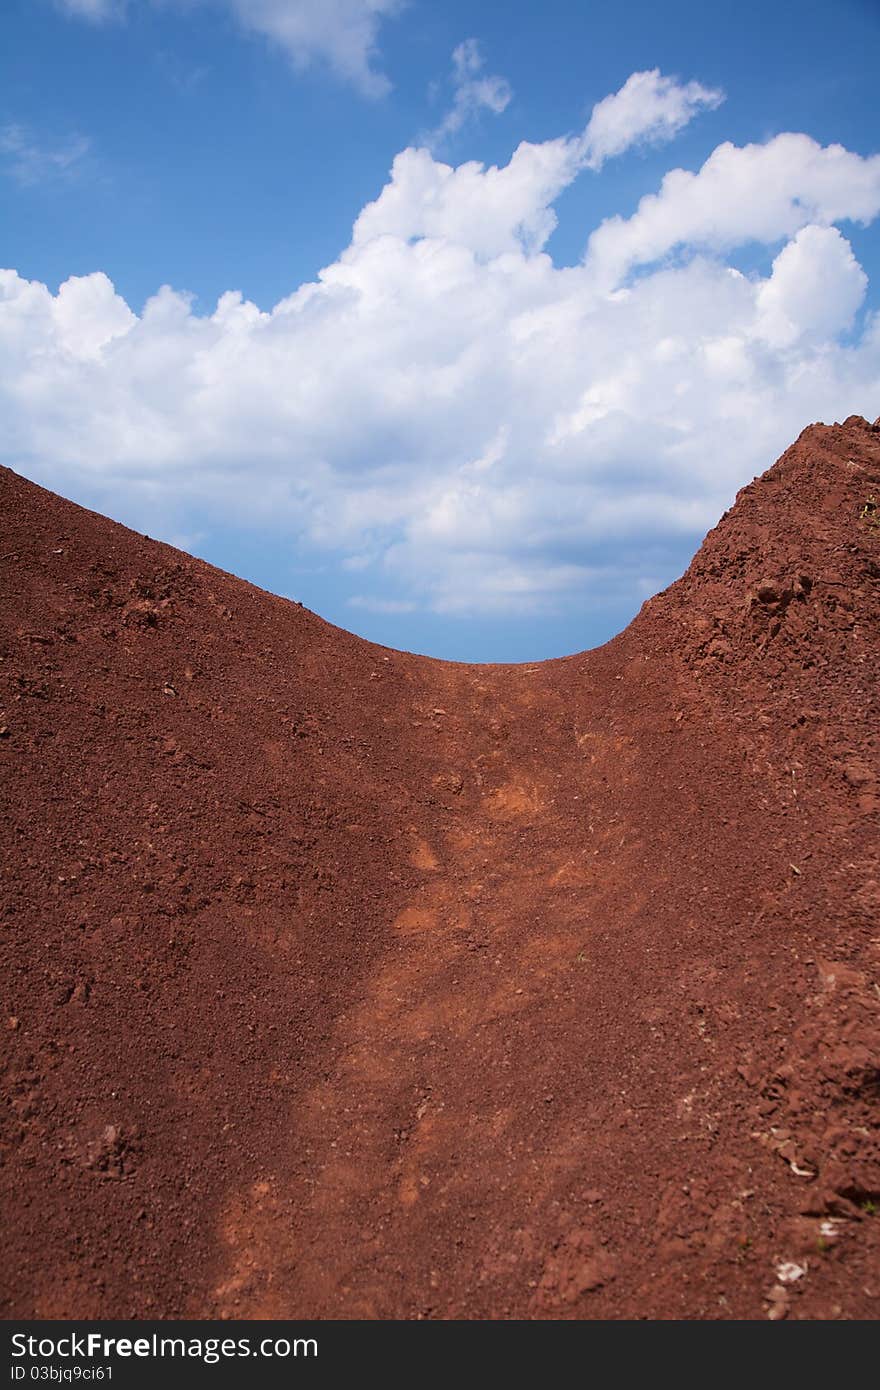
[{"x": 342, "y": 982}]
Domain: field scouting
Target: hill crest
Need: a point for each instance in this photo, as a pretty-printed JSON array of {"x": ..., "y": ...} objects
[{"x": 346, "y": 982}]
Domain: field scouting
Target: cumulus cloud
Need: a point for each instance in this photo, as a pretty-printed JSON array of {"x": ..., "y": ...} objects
[
  {"x": 758, "y": 193},
  {"x": 459, "y": 423},
  {"x": 473, "y": 91},
  {"x": 511, "y": 208},
  {"x": 815, "y": 290},
  {"x": 648, "y": 109},
  {"x": 342, "y": 34}
]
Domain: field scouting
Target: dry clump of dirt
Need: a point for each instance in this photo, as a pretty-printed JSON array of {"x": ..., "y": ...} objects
[{"x": 343, "y": 983}]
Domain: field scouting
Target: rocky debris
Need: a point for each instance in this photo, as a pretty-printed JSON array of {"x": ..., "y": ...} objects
[
  {"x": 778, "y": 1303},
  {"x": 110, "y": 1155},
  {"x": 859, "y": 774},
  {"x": 577, "y": 1266}
]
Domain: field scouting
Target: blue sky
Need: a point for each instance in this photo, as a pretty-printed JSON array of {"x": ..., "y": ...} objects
[{"x": 474, "y": 436}]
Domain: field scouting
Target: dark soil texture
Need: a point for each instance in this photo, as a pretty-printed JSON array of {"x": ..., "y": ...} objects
[{"x": 340, "y": 982}]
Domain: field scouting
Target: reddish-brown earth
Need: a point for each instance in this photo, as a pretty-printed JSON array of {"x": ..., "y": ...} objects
[{"x": 346, "y": 983}]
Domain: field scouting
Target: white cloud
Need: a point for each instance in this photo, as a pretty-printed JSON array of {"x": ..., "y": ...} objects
[
  {"x": 339, "y": 33},
  {"x": 648, "y": 109},
  {"x": 815, "y": 290},
  {"x": 756, "y": 193},
  {"x": 87, "y": 314},
  {"x": 509, "y": 209},
  {"x": 486, "y": 212},
  {"x": 473, "y": 91},
  {"x": 30, "y": 160},
  {"x": 455, "y": 421}
]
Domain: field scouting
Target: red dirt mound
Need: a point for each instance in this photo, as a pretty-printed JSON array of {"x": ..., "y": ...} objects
[{"x": 342, "y": 982}]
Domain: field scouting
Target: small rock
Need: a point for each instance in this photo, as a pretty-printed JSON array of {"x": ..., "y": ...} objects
[{"x": 859, "y": 774}]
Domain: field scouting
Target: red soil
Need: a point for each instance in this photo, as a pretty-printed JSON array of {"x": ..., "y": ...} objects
[{"x": 342, "y": 982}]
